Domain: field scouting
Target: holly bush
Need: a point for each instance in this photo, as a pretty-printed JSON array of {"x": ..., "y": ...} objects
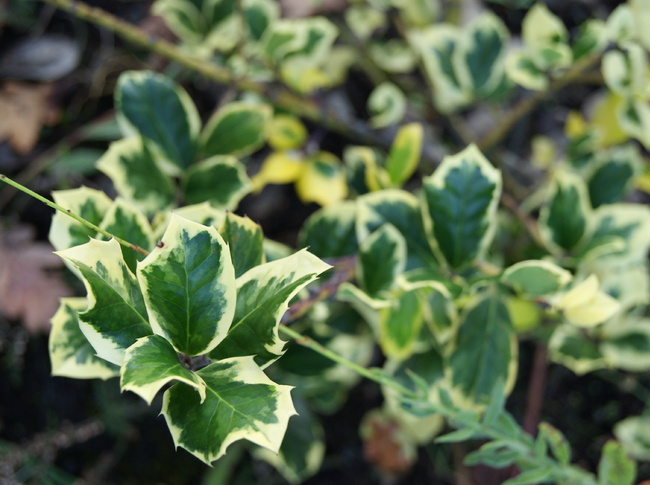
[{"x": 443, "y": 240}]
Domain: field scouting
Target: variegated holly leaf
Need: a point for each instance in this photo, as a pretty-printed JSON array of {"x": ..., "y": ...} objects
[
  {"x": 90, "y": 204},
  {"x": 263, "y": 296},
  {"x": 136, "y": 175},
  {"x": 71, "y": 355},
  {"x": 536, "y": 278},
  {"x": 188, "y": 283},
  {"x": 484, "y": 350},
  {"x": 387, "y": 105},
  {"x": 127, "y": 222},
  {"x": 565, "y": 216},
  {"x": 401, "y": 209},
  {"x": 241, "y": 403},
  {"x": 116, "y": 316},
  {"x": 245, "y": 241},
  {"x": 382, "y": 256},
  {"x": 460, "y": 204},
  {"x": 152, "y": 362},
  {"x": 221, "y": 180},
  {"x": 330, "y": 232},
  {"x": 162, "y": 112}
]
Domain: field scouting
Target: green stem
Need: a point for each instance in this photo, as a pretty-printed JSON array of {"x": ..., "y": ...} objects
[
  {"x": 371, "y": 374},
  {"x": 69, "y": 213},
  {"x": 279, "y": 96}
]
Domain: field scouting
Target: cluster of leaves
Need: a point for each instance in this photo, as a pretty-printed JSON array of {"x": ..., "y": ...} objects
[{"x": 444, "y": 283}]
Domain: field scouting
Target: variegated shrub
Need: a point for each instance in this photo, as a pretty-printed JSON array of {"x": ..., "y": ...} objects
[{"x": 445, "y": 270}]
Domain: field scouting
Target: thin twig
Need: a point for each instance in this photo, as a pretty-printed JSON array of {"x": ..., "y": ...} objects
[
  {"x": 503, "y": 126},
  {"x": 278, "y": 95},
  {"x": 536, "y": 389},
  {"x": 69, "y": 213}
]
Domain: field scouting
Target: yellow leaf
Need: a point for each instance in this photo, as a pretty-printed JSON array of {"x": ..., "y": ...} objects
[
  {"x": 543, "y": 152},
  {"x": 575, "y": 125},
  {"x": 524, "y": 314},
  {"x": 286, "y": 132},
  {"x": 605, "y": 121},
  {"x": 323, "y": 180},
  {"x": 585, "y": 305},
  {"x": 279, "y": 168}
]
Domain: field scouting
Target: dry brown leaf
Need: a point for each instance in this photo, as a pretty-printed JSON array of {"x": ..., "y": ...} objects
[
  {"x": 28, "y": 290},
  {"x": 24, "y": 109},
  {"x": 384, "y": 447}
]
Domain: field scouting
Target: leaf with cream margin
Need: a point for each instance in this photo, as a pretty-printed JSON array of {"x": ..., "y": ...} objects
[
  {"x": 221, "y": 180},
  {"x": 91, "y": 204},
  {"x": 188, "y": 284},
  {"x": 245, "y": 241},
  {"x": 286, "y": 132},
  {"x": 152, "y": 362},
  {"x": 585, "y": 305},
  {"x": 136, "y": 175},
  {"x": 460, "y": 205},
  {"x": 116, "y": 315},
  {"x": 241, "y": 403},
  {"x": 263, "y": 296},
  {"x": 536, "y": 278},
  {"x": 154, "y": 106},
  {"x": 387, "y": 105},
  {"x": 71, "y": 355},
  {"x": 125, "y": 221}
]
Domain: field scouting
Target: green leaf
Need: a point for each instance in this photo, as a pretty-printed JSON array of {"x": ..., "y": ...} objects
[
  {"x": 613, "y": 175},
  {"x": 152, "y": 362},
  {"x": 136, "y": 175},
  {"x": 382, "y": 257},
  {"x": 437, "y": 46},
  {"x": 386, "y": 105},
  {"x": 633, "y": 115},
  {"x": 188, "y": 283},
  {"x": 627, "y": 346},
  {"x": 127, "y": 222},
  {"x": 522, "y": 69},
  {"x": 570, "y": 347},
  {"x": 258, "y": 16},
  {"x": 241, "y": 403},
  {"x": 625, "y": 224},
  {"x": 556, "y": 441},
  {"x": 263, "y": 296},
  {"x": 402, "y": 210},
  {"x": 221, "y": 180},
  {"x": 400, "y": 324},
  {"x": 91, "y": 204},
  {"x": 495, "y": 454},
  {"x": 459, "y": 435},
  {"x": 330, "y": 232},
  {"x": 460, "y": 204},
  {"x": 245, "y": 241},
  {"x": 236, "y": 129},
  {"x": 71, "y": 355},
  {"x": 116, "y": 315},
  {"x": 484, "y": 350},
  {"x": 615, "y": 467},
  {"x": 162, "y": 112},
  {"x": 404, "y": 153},
  {"x": 478, "y": 59},
  {"x": 182, "y": 17},
  {"x": 532, "y": 477},
  {"x": 202, "y": 213},
  {"x": 564, "y": 217},
  {"x": 535, "y": 278}
]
